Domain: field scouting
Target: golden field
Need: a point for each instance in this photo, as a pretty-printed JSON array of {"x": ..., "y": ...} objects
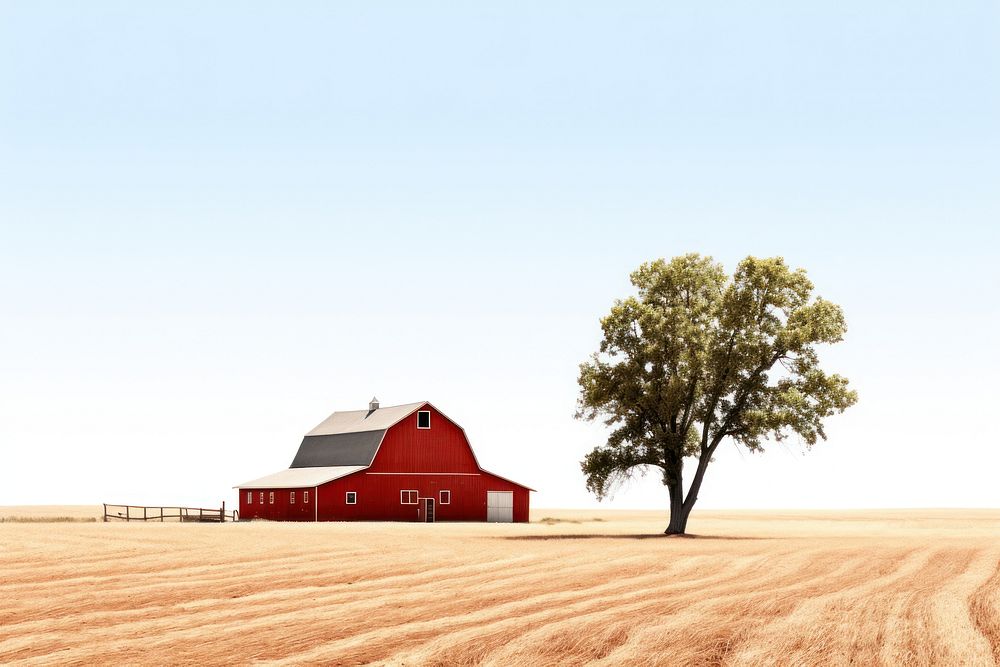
[{"x": 914, "y": 587}]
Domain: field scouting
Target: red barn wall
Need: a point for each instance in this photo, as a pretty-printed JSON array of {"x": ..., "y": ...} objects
[
  {"x": 379, "y": 497},
  {"x": 282, "y": 509},
  {"x": 441, "y": 448}
]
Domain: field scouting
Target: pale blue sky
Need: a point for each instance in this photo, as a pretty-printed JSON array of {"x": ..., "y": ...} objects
[{"x": 219, "y": 224}]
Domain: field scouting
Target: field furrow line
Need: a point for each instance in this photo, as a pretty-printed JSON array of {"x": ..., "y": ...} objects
[{"x": 984, "y": 609}]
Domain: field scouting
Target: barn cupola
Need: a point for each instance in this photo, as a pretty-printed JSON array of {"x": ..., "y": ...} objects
[{"x": 373, "y": 405}]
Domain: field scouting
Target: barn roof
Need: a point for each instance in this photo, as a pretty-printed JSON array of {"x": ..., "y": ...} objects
[
  {"x": 357, "y": 421},
  {"x": 349, "y": 438},
  {"x": 294, "y": 478},
  {"x": 341, "y": 449},
  {"x": 342, "y": 444}
]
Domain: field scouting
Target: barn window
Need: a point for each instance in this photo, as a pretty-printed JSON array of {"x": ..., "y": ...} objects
[
  {"x": 249, "y": 497},
  {"x": 408, "y": 497},
  {"x": 271, "y": 498},
  {"x": 291, "y": 497},
  {"x": 305, "y": 497},
  {"x": 424, "y": 419},
  {"x": 446, "y": 497},
  {"x": 261, "y": 497},
  {"x": 352, "y": 498}
]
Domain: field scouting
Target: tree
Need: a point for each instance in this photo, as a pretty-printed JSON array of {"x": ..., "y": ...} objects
[{"x": 697, "y": 357}]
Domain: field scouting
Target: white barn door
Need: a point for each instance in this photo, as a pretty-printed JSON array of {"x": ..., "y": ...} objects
[{"x": 500, "y": 506}]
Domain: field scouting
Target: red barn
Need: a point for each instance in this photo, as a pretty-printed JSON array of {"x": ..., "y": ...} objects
[{"x": 400, "y": 463}]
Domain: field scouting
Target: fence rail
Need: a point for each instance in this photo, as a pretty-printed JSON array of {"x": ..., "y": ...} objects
[{"x": 161, "y": 514}]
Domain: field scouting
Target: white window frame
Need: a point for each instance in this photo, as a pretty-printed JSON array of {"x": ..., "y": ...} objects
[
  {"x": 261, "y": 497},
  {"x": 249, "y": 497},
  {"x": 424, "y": 412},
  {"x": 441, "y": 496},
  {"x": 416, "y": 497},
  {"x": 291, "y": 497},
  {"x": 305, "y": 497},
  {"x": 347, "y": 498},
  {"x": 271, "y": 498}
]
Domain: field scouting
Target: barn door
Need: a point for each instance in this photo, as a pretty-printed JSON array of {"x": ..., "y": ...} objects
[
  {"x": 429, "y": 510},
  {"x": 500, "y": 506}
]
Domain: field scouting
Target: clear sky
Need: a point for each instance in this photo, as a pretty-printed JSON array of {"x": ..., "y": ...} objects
[{"x": 219, "y": 222}]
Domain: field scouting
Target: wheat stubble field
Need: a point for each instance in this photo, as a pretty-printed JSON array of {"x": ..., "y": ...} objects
[{"x": 804, "y": 588}]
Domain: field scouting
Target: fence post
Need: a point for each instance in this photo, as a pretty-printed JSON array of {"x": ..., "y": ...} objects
[
  {"x": 143, "y": 513},
  {"x": 105, "y": 517},
  {"x": 222, "y": 513}
]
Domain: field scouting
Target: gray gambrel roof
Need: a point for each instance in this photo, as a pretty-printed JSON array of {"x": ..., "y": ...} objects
[
  {"x": 344, "y": 449},
  {"x": 349, "y": 438}
]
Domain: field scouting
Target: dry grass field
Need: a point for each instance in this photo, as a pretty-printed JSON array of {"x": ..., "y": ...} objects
[{"x": 779, "y": 588}]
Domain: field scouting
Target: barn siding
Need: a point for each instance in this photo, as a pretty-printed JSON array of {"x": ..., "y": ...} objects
[
  {"x": 441, "y": 448},
  {"x": 379, "y": 497},
  {"x": 282, "y": 509}
]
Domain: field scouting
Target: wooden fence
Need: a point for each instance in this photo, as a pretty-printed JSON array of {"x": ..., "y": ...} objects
[{"x": 141, "y": 513}]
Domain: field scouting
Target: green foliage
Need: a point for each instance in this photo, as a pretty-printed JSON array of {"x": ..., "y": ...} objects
[{"x": 697, "y": 356}]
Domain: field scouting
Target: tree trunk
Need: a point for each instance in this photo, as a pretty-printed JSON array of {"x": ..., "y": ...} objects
[
  {"x": 678, "y": 515},
  {"x": 681, "y": 509},
  {"x": 674, "y": 480}
]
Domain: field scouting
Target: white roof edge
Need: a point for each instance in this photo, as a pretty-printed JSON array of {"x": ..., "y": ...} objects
[
  {"x": 326, "y": 426},
  {"x": 508, "y": 480},
  {"x": 293, "y": 478}
]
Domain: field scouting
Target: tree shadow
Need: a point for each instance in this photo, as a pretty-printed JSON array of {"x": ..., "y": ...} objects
[{"x": 620, "y": 536}]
